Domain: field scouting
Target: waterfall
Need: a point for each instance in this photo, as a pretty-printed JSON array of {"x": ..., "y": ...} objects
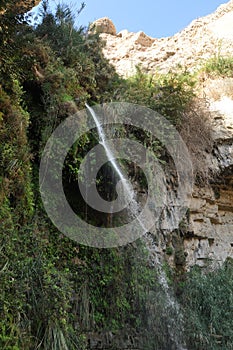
[
  {"x": 128, "y": 191},
  {"x": 174, "y": 323},
  {"x": 110, "y": 156}
]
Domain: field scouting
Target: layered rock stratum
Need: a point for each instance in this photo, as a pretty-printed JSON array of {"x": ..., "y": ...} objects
[{"x": 210, "y": 236}]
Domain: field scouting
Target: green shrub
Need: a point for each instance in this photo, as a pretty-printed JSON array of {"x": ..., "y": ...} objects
[
  {"x": 208, "y": 308},
  {"x": 169, "y": 250},
  {"x": 219, "y": 66},
  {"x": 168, "y": 94}
]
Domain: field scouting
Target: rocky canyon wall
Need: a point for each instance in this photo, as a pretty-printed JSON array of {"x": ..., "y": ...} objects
[{"x": 207, "y": 237}]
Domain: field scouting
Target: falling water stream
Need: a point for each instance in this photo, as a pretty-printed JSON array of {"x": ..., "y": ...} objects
[
  {"x": 109, "y": 154},
  {"x": 126, "y": 186},
  {"x": 172, "y": 305},
  {"x": 175, "y": 320}
]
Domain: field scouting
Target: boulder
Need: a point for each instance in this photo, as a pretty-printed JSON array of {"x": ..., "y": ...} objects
[
  {"x": 20, "y": 7},
  {"x": 103, "y": 25}
]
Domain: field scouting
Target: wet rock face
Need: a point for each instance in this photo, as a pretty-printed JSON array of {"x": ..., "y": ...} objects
[{"x": 103, "y": 25}]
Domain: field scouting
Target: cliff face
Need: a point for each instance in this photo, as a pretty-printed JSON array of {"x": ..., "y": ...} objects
[
  {"x": 210, "y": 230},
  {"x": 203, "y": 38},
  {"x": 208, "y": 233}
]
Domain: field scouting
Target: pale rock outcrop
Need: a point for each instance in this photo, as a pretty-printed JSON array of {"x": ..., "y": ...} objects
[
  {"x": 210, "y": 239},
  {"x": 103, "y": 25},
  {"x": 203, "y": 38},
  {"x": 208, "y": 232},
  {"x": 211, "y": 209}
]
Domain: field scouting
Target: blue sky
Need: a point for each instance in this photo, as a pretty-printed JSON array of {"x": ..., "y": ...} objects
[{"x": 157, "y": 18}]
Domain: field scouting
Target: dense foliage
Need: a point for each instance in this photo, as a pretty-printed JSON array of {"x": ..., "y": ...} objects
[
  {"x": 168, "y": 94},
  {"x": 55, "y": 293},
  {"x": 220, "y": 66},
  {"x": 208, "y": 304}
]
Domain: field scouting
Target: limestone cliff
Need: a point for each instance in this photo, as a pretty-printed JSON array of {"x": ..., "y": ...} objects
[
  {"x": 208, "y": 231},
  {"x": 211, "y": 211},
  {"x": 203, "y": 38}
]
